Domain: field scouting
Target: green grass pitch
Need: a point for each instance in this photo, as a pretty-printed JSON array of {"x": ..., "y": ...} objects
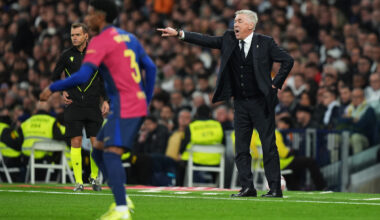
[{"x": 59, "y": 202}]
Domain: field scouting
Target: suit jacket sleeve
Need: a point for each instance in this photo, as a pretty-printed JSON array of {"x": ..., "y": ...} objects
[
  {"x": 280, "y": 55},
  {"x": 204, "y": 40}
]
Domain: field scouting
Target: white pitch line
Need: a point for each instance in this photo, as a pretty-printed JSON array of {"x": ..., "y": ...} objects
[
  {"x": 50, "y": 192},
  {"x": 210, "y": 194},
  {"x": 326, "y": 192},
  {"x": 195, "y": 197},
  {"x": 150, "y": 191},
  {"x": 369, "y": 199},
  {"x": 181, "y": 193}
]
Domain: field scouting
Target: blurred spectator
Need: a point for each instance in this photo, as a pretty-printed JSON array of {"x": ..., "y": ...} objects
[
  {"x": 174, "y": 143},
  {"x": 304, "y": 119},
  {"x": 188, "y": 88},
  {"x": 221, "y": 115},
  {"x": 344, "y": 98},
  {"x": 360, "y": 118},
  {"x": 372, "y": 92},
  {"x": 330, "y": 76},
  {"x": 287, "y": 102},
  {"x": 155, "y": 138},
  {"x": 331, "y": 114},
  {"x": 299, "y": 84},
  {"x": 306, "y": 99},
  {"x": 166, "y": 117},
  {"x": 178, "y": 102}
]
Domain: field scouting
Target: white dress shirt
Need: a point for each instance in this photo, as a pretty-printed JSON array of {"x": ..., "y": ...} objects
[{"x": 247, "y": 44}]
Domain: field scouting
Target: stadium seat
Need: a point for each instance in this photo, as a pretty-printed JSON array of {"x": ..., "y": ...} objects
[
  {"x": 4, "y": 169},
  {"x": 218, "y": 148},
  {"x": 51, "y": 146}
]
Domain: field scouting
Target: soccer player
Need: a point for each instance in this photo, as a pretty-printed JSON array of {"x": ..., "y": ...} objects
[
  {"x": 83, "y": 104},
  {"x": 118, "y": 55}
]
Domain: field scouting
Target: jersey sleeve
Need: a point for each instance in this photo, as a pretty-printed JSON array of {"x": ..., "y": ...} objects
[
  {"x": 96, "y": 51},
  {"x": 150, "y": 70}
]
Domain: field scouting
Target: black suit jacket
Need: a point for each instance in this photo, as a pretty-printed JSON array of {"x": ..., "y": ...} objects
[{"x": 265, "y": 51}]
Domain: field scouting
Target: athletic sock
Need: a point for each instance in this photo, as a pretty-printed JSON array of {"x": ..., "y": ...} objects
[
  {"x": 76, "y": 161},
  {"x": 121, "y": 208},
  {"x": 97, "y": 156},
  {"x": 94, "y": 168},
  {"x": 116, "y": 177}
]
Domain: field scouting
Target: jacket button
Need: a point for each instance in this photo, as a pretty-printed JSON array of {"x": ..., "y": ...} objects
[
  {"x": 242, "y": 84},
  {"x": 241, "y": 67},
  {"x": 241, "y": 76}
]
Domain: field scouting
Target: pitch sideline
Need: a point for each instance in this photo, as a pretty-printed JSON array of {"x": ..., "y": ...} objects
[{"x": 195, "y": 197}]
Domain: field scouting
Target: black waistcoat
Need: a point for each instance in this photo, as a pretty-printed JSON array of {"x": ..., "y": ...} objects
[{"x": 243, "y": 81}]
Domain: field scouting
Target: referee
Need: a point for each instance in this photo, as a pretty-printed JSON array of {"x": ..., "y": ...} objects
[{"x": 82, "y": 103}]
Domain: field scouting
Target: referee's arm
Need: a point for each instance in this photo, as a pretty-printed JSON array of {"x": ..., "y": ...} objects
[{"x": 59, "y": 68}]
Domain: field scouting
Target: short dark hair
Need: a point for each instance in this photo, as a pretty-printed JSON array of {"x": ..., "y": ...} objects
[
  {"x": 287, "y": 120},
  {"x": 202, "y": 76},
  {"x": 332, "y": 91},
  {"x": 304, "y": 108},
  {"x": 151, "y": 118},
  {"x": 108, "y": 7},
  {"x": 82, "y": 25},
  {"x": 289, "y": 90},
  {"x": 311, "y": 65},
  {"x": 203, "y": 112}
]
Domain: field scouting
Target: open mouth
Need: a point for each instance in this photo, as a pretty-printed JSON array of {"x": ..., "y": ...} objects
[{"x": 236, "y": 31}]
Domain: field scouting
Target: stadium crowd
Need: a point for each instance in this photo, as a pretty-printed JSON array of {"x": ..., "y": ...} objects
[{"x": 334, "y": 84}]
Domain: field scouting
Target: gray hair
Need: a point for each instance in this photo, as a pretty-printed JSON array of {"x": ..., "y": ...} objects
[{"x": 251, "y": 15}]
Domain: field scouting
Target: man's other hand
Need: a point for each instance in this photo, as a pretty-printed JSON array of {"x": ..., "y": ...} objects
[
  {"x": 44, "y": 96},
  {"x": 105, "y": 108},
  {"x": 168, "y": 32},
  {"x": 66, "y": 99}
]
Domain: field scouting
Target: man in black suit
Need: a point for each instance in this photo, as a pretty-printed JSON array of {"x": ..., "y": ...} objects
[{"x": 245, "y": 74}]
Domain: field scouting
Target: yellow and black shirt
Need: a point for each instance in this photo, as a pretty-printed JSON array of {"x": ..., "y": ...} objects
[{"x": 88, "y": 94}]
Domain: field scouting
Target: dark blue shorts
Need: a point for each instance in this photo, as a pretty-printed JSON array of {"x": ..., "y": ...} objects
[{"x": 119, "y": 132}]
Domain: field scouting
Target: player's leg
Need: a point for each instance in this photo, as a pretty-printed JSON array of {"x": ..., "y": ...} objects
[
  {"x": 118, "y": 135},
  {"x": 116, "y": 174}
]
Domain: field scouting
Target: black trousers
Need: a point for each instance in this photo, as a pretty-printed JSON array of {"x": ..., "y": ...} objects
[{"x": 249, "y": 114}]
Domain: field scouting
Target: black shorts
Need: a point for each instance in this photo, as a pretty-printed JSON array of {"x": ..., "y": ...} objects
[{"x": 77, "y": 118}]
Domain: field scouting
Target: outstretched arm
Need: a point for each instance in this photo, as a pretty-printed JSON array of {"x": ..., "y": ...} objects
[
  {"x": 194, "y": 38},
  {"x": 82, "y": 76}
]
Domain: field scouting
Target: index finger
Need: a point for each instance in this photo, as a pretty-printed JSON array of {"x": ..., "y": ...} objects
[{"x": 160, "y": 29}]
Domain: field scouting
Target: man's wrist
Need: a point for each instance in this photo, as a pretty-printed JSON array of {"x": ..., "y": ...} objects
[{"x": 179, "y": 34}]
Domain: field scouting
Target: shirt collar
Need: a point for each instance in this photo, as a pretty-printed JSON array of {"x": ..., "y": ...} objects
[{"x": 248, "y": 39}]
